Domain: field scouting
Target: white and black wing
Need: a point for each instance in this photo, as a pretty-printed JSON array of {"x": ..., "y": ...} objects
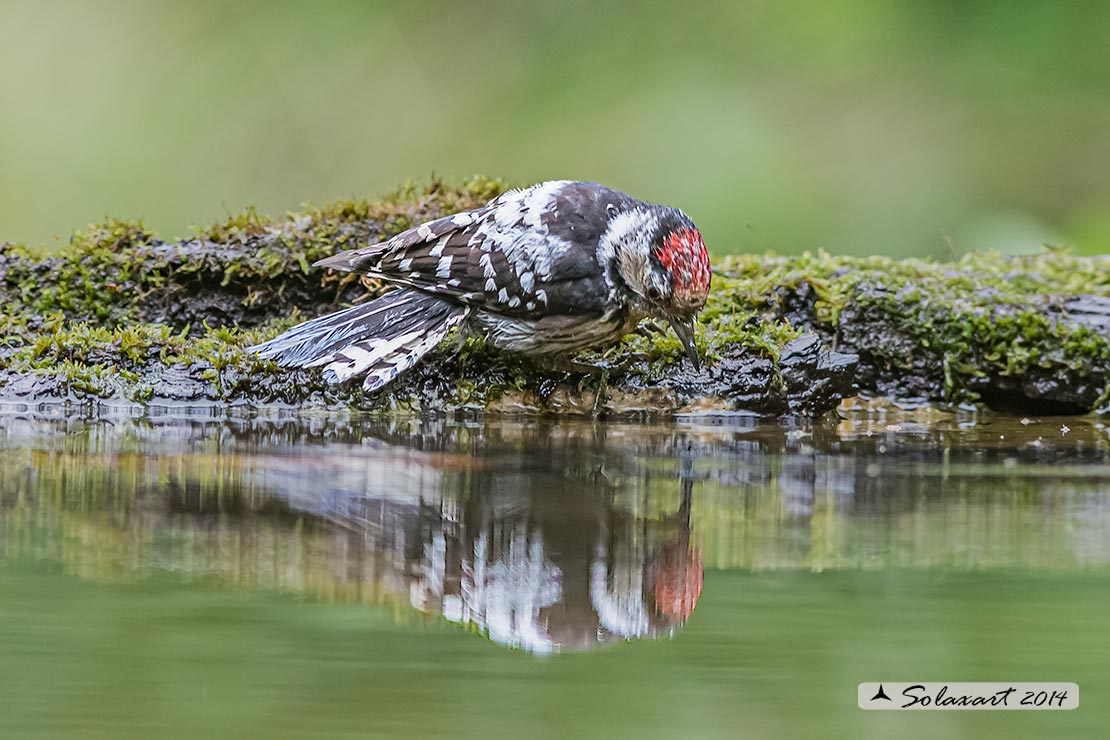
[{"x": 528, "y": 253}]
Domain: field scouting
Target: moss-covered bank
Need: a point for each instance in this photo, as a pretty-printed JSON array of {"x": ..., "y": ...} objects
[
  {"x": 121, "y": 317},
  {"x": 1030, "y": 334}
]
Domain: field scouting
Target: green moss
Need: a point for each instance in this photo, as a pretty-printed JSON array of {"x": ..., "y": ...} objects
[
  {"x": 241, "y": 226},
  {"x": 113, "y": 235},
  {"x": 984, "y": 316}
]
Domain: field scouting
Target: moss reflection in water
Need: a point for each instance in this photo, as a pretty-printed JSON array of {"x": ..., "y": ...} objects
[{"x": 201, "y": 578}]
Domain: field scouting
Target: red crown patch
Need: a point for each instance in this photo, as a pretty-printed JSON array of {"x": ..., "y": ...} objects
[{"x": 685, "y": 257}]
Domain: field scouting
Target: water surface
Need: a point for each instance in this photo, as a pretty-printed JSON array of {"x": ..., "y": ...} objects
[{"x": 335, "y": 576}]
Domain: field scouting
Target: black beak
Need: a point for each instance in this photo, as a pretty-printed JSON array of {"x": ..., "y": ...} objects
[{"x": 685, "y": 332}]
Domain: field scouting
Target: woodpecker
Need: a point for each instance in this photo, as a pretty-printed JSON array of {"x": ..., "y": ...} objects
[{"x": 547, "y": 270}]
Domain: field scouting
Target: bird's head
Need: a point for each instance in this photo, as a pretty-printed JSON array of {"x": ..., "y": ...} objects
[{"x": 660, "y": 256}]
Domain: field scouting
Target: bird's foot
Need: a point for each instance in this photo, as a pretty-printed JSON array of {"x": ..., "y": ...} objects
[
  {"x": 594, "y": 370},
  {"x": 649, "y": 329},
  {"x": 591, "y": 376}
]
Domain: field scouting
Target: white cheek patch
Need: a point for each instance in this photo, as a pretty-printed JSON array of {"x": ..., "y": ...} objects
[{"x": 627, "y": 243}]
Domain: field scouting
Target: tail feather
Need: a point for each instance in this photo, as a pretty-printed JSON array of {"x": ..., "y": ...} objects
[{"x": 382, "y": 338}]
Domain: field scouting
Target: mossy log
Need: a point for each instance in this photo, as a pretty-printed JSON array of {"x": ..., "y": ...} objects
[{"x": 120, "y": 317}]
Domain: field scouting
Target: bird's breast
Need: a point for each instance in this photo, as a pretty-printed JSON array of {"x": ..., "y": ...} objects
[{"x": 551, "y": 335}]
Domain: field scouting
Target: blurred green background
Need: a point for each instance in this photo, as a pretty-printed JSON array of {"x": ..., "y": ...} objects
[{"x": 858, "y": 126}]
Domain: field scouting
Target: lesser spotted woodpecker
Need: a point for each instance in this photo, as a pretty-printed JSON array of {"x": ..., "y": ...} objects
[{"x": 546, "y": 270}]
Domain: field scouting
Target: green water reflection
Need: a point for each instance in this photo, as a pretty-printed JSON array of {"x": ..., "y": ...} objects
[{"x": 333, "y": 577}]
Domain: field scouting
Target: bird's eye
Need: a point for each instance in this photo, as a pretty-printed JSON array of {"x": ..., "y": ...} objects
[
  {"x": 653, "y": 293},
  {"x": 611, "y": 210}
]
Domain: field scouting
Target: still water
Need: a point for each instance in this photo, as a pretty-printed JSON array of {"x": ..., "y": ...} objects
[{"x": 336, "y": 576}]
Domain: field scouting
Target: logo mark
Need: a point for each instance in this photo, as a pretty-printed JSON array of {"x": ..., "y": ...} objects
[{"x": 880, "y": 694}]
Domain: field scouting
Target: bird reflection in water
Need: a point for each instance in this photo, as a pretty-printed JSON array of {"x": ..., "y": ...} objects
[
  {"x": 543, "y": 560},
  {"x": 558, "y": 572}
]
